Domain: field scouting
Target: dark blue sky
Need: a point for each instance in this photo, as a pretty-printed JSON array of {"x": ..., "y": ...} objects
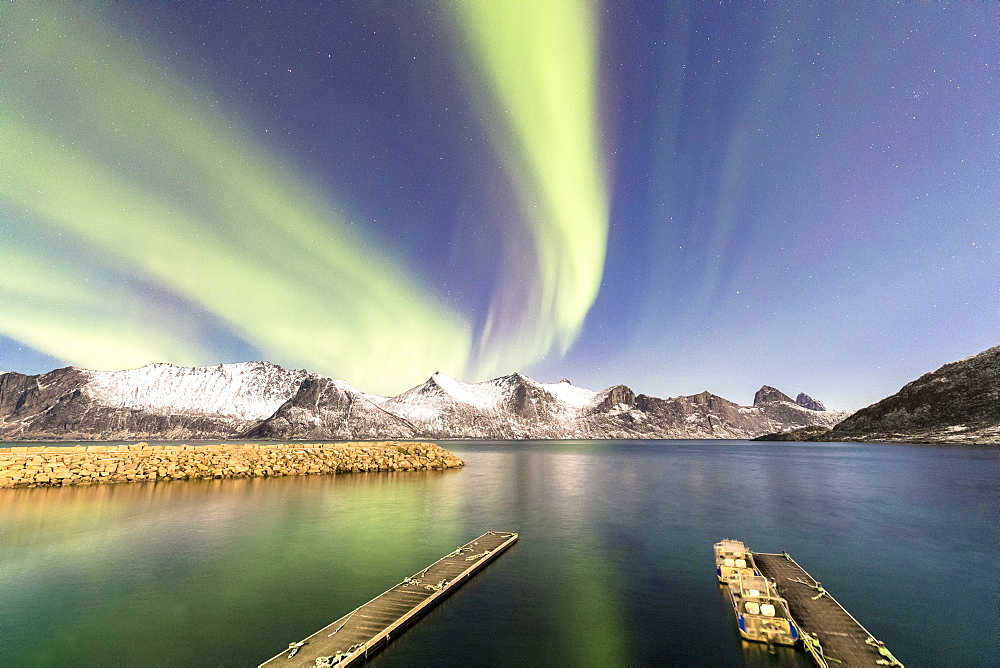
[{"x": 674, "y": 196}]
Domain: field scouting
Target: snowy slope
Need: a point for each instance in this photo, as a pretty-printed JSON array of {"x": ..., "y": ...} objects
[
  {"x": 263, "y": 400},
  {"x": 247, "y": 391},
  {"x": 511, "y": 406},
  {"x": 573, "y": 397},
  {"x": 157, "y": 401},
  {"x": 325, "y": 409}
]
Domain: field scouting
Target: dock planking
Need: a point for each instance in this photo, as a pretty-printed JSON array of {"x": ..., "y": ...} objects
[
  {"x": 841, "y": 638},
  {"x": 368, "y": 628}
]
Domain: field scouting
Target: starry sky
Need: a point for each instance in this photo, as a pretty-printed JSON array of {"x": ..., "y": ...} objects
[{"x": 676, "y": 196}]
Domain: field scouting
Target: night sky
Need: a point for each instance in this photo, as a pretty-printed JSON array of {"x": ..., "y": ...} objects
[{"x": 673, "y": 196}]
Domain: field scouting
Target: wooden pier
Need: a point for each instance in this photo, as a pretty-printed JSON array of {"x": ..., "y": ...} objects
[
  {"x": 368, "y": 628},
  {"x": 833, "y": 634}
]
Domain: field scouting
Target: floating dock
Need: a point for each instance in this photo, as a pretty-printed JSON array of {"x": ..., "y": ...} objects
[
  {"x": 833, "y": 634},
  {"x": 367, "y": 629}
]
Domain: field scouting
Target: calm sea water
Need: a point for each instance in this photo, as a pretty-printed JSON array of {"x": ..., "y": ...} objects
[{"x": 614, "y": 565}]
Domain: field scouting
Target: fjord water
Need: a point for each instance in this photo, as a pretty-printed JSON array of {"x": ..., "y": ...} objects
[{"x": 614, "y": 565}]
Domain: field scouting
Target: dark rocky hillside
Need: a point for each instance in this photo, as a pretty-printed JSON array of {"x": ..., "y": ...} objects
[{"x": 960, "y": 402}]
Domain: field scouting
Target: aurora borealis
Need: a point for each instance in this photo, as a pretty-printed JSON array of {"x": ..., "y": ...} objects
[
  {"x": 675, "y": 196},
  {"x": 547, "y": 137}
]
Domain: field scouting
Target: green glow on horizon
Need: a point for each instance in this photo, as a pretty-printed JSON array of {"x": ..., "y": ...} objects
[
  {"x": 79, "y": 299},
  {"x": 116, "y": 157},
  {"x": 540, "y": 106}
]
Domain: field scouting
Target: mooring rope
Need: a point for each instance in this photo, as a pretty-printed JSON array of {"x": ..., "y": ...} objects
[
  {"x": 889, "y": 660},
  {"x": 811, "y": 641},
  {"x": 338, "y": 657},
  {"x": 818, "y": 586},
  {"x": 347, "y": 619},
  {"x": 438, "y": 587},
  {"x": 478, "y": 556},
  {"x": 822, "y": 592}
]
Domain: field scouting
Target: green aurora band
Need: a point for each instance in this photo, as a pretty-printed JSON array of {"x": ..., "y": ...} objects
[
  {"x": 540, "y": 106},
  {"x": 112, "y": 155},
  {"x": 170, "y": 214}
]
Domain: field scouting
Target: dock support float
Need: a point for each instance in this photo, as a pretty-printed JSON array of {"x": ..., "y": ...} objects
[
  {"x": 367, "y": 628},
  {"x": 829, "y": 632}
]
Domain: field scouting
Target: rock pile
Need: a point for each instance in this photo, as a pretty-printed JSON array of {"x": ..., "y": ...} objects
[{"x": 40, "y": 466}]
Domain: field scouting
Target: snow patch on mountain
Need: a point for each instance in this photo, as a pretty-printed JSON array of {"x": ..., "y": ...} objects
[
  {"x": 485, "y": 395},
  {"x": 571, "y": 395},
  {"x": 246, "y": 390},
  {"x": 267, "y": 401},
  {"x": 376, "y": 399}
]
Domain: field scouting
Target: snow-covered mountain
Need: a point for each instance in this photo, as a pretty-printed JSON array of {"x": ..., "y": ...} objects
[
  {"x": 325, "y": 409},
  {"x": 249, "y": 390},
  {"x": 158, "y": 401},
  {"x": 516, "y": 406},
  {"x": 511, "y": 406},
  {"x": 262, "y": 400}
]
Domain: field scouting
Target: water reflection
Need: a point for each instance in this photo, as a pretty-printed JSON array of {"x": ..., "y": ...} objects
[
  {"x": 119, "y": 560},
  {"x": 614, "y": 565}
]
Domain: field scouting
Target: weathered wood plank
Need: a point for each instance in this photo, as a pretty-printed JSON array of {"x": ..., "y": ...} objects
[
  {"x": 369, "y": 627},
  {"x": 841, "y": 637}
]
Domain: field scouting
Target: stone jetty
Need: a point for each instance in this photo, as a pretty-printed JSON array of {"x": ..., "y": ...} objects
[{"x": 50, "y": 466}]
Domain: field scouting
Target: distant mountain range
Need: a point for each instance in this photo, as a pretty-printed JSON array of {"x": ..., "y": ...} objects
[
  {"x": 260, "y": 400},
  {"x": 958, "y": 403}
]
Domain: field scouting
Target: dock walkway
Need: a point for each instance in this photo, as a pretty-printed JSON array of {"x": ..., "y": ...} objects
[
  {"x": 367, "y": 629},
  {"x": 840, "y": 637}
]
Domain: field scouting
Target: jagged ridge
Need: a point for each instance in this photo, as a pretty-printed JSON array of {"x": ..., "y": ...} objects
[
  {"x": 262, "y": 400},
  {"x": 157, "y": 401}
]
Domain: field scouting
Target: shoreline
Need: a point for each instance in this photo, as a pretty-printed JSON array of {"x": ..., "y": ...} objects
[{"x": 56, "y": 466}]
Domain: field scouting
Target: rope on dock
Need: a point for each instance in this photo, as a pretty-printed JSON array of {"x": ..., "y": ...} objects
[
  {"x": 438, "y": 587},
  {"x": 890, "y": 660},
  {"x": 346, "y": 619},
  {"x": 818, "y": 587},
  {"x": 822, "y": 592},
  {"x": 338, "y": 657},
  {"x": 458, "y": 552},
  {"x": 813, "y": 645},
  {"x": 402, "y": 602}
]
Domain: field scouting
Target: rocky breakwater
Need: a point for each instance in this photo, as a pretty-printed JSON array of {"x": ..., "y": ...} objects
[{"x": 41, "y": 466}]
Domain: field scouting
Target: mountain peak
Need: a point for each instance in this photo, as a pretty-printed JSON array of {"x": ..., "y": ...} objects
[
  {"x": 768, "y": 394},
  {"x": 515, "y": 377},
  {"x": 266, "y": 401},
  {"x": 806, "y": 401}
]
